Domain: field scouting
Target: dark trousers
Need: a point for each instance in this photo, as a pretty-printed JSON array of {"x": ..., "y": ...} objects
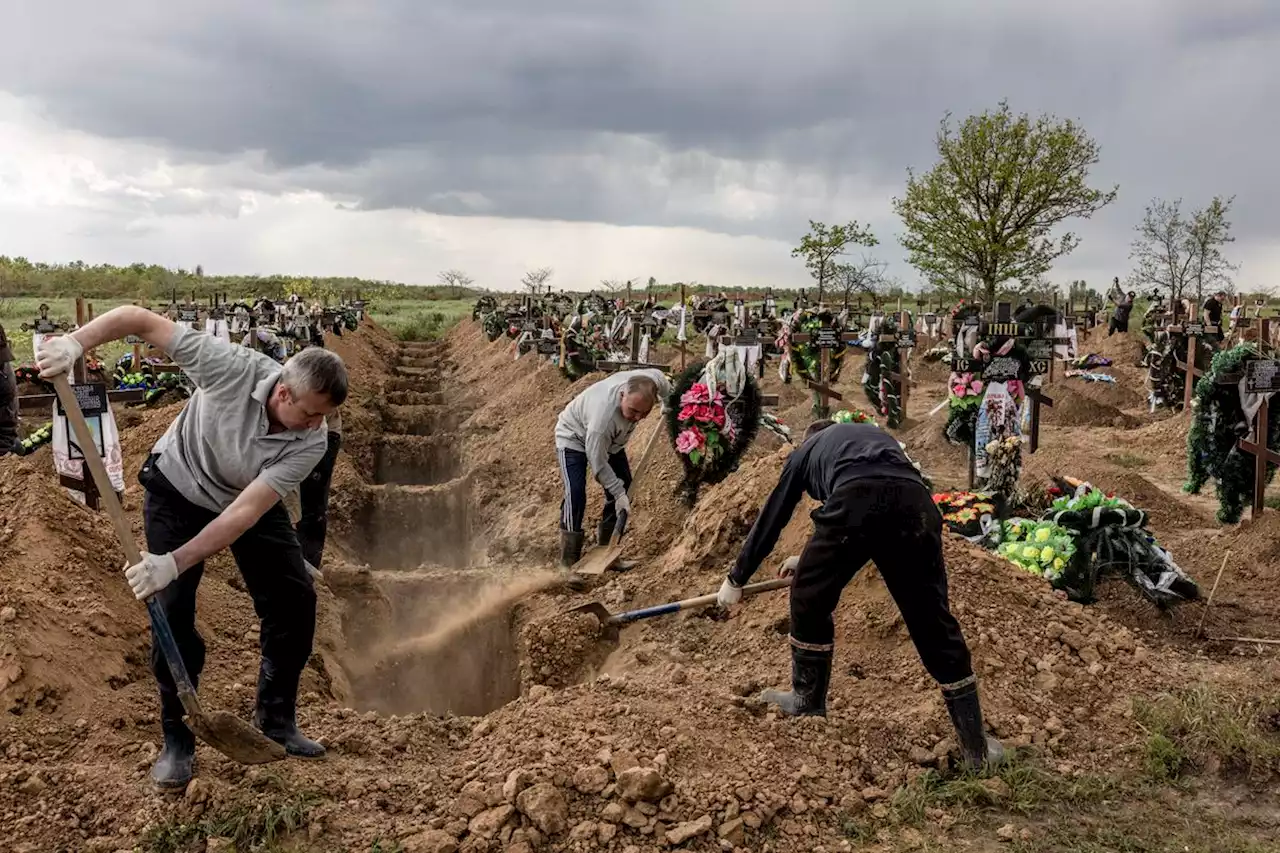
[
  {"x": 313, "y": 494},
  {"x": 1117, "y": 325},
  {"x": 270, "y": 561},
  {"x": 895, "y": 523},
  {"x": 573, "y": 472}
]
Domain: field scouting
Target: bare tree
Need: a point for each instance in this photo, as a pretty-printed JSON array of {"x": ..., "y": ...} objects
[
  {"x": 455, "y": 278},
  {"x": 1175, "y": 253},
  {"x": 613, "y": 285},
  {"x": 863, "y": 276},
  {"x": 534, "y": 280}
]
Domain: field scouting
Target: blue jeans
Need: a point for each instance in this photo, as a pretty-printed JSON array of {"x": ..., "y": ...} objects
[{"x": 573, "y": 472}]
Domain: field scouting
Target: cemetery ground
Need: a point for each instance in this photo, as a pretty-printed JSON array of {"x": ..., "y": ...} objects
[{"x": 464, "y": 710}]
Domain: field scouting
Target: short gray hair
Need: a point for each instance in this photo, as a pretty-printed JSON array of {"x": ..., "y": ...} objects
[
  {"x": 643, "y": 385},
  {"x": 317, "y": 370}
]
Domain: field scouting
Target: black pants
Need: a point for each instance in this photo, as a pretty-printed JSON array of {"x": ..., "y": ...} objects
[
  {"x": 573, "y": 473},
  {"x": 1117, "y": 325},
  {"x": 270, "y": 561},
  {"x": 313, "y": 494},
  {"x": 895, "y": 523}
]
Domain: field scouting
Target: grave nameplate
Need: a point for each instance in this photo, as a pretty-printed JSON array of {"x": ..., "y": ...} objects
[{"x": 1262, "y": 376}]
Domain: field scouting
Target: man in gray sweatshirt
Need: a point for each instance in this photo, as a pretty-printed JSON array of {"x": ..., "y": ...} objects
[{"x": 592, "y": 432}]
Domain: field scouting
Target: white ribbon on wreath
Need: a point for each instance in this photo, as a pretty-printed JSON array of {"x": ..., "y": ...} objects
[{"x": 727, "y": 368}]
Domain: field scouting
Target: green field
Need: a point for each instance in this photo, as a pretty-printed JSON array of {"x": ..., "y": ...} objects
[{"x": 408, "y": 319}]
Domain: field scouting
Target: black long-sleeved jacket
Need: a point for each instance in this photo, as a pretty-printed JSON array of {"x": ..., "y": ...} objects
[{"x": 819, "y": 467}]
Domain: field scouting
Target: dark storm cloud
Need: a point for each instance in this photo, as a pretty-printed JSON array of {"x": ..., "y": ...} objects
[{"x": 628, "y": 112}]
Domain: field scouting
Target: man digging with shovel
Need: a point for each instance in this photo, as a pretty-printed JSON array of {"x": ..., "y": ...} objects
[
  {"x": 247, "y": 437},
  {"x": 592, "y": 432},
  {"x": 874, "y": 507}
]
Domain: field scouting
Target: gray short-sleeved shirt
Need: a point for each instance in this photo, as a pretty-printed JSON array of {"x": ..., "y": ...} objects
[{"x": 219, "y": 442}]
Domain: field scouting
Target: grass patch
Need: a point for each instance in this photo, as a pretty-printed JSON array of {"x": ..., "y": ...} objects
[
  {"x": 259, "y": 824},
  {"x": 1272, "y": 502},
  {"x": 1020, "y": 786},
  {"x": 1199, "y": 727},
  {"x": 1128, "y": 460},
  {"x": 420, "y": 321}
]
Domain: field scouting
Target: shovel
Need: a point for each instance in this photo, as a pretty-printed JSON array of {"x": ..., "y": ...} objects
[
  {"x": 610, "y": 623},
  {"x": 226, "y": 733},
  {"x": 601, "y": 559}
]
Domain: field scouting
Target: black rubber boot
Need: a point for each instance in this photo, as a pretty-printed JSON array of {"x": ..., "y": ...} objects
[
  {"x": 604, "y": 532},
  {"x": 604, "y": 535},
  {"x": 276, "y": 717},
  {"x": 978, "y": 750},
  {"x": 810, "y": 678},
  {"x": 570, "y": 554},
  {"x": 176, "y": 764}
]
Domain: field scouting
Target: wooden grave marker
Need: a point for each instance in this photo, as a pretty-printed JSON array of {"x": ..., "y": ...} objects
[
  {"x": 1261, "y": 376},
  {"x": 825, "y": 338}
]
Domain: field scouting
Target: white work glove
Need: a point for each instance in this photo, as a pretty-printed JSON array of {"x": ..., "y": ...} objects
[
  {"x": 154, "y": 573},
  {"x": 788, "y": 567},
  {"x": 56, "y": 356},
  {"x": 622, "y": 504},
  {"x": 729, "y": 594}
]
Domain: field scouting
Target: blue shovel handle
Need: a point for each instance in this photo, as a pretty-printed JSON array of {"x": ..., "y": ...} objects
[{"x": 690, "y": 603}]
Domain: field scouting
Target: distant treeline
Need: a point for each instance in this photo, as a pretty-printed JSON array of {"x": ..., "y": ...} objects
[{"x": 20, "y": 277}]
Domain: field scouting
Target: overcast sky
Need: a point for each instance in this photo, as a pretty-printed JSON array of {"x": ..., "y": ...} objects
[{"x": 684, "y": 139}]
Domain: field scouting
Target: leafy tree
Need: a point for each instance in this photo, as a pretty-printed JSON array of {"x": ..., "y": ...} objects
[
  {"x": 1176, "y": 253},
  {"x": 986, "y": 211},
  {"x": 824, "y": 243},
  {"x": 533, "y": 280}
]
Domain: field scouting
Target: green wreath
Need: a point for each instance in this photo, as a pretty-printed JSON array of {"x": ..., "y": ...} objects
[
  {"x": 1218, "y": 423},
  {"x": 710, "y": 459},
  {"x": 493, "y": 325},
  {"x": 877, "y": 382},
  {"x": 806, "y": 358},
  {"x": 583, "y": 347}
]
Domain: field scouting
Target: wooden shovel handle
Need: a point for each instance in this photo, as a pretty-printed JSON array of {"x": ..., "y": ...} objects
[{"x": 92, "y": 461}]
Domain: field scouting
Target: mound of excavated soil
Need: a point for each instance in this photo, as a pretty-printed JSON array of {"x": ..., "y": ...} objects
[
  {"x": 1074, "y": 406},
  {"x": 1122, "y": 349}
]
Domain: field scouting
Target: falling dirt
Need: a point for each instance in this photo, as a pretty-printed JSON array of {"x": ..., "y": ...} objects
[{"x": 465, "y": 709}]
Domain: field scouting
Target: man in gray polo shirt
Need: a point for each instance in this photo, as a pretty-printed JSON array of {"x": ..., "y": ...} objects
[{"x": 249, "y": 435}]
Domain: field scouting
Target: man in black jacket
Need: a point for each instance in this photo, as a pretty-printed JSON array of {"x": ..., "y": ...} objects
[
  {"x": 8, "y": 398},
  {"x": 875, "y": 506}
]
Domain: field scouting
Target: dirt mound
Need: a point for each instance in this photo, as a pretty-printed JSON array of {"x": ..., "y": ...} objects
[
  {"x": 1122, "y": 348},
  {"x": 1120, "y": 394},
  {"x": 1074, "y": 406}
]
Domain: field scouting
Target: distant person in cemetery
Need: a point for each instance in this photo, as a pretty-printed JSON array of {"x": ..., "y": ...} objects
[
  {"x": 1211, "y": 313},
  {"x": 1124, "y": 308}
]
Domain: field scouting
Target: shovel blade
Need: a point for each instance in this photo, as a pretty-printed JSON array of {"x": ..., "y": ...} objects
[
  {"x": 608, "y": 628},
  {"x": 598, "y": 561},
  {"x": 235, "y": 738}
]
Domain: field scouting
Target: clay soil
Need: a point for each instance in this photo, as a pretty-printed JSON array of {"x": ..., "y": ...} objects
[{"x": 465, "y": 709}]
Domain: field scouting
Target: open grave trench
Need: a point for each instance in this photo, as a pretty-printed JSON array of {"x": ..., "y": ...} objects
[{"x": 411, "y": 523}]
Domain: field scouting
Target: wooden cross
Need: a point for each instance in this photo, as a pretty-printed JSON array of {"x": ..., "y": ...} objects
[
  {"x": 904, "y": 342},
  {"x": 1261, "y": 377},
  {"x": 826, "y": 339},
  {"x": 635, "y": 363},
  {"x": 1193, "y": 331}
]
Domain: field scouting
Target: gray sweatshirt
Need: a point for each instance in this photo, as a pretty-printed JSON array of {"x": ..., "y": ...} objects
[{"x": 593, "y": 424}]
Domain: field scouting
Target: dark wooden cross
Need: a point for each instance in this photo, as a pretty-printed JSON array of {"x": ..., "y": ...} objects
[
  {"x": 826, "y": 338},
  {"x": 904, "y": 340},
  {"x": 1193, "y": 331},
  {"x": 1261, "y": 377}
]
